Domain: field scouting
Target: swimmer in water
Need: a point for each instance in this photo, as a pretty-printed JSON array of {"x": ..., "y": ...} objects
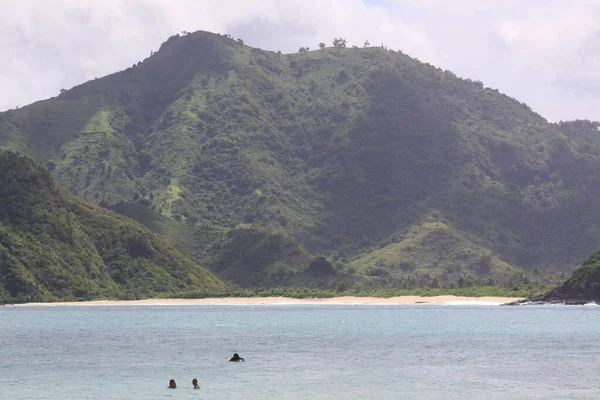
[
  {"x": 172, "y": 384},
  {"x": 236, "y": 358},
  {"x": 195, "y": 383}
]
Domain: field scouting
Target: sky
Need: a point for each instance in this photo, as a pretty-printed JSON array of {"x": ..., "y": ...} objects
[{"x": 543, "y": 52}]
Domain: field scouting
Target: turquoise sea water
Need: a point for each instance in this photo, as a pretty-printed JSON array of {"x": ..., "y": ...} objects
[{"x": 300, "y": 352}]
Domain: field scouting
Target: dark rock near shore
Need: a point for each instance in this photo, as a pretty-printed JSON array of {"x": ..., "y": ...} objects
[
  {"x": 581, "y": 288},
  {"x": 541, "y": 300}
]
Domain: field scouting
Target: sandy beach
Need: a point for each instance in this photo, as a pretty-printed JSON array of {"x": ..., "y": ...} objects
[{"x": 242, "y": 301}]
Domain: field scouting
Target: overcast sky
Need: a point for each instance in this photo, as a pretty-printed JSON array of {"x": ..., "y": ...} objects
[{"x": 543, "y": 52}]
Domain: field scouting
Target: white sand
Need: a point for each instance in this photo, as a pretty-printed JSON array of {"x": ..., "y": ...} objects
[{"x": 452, "y": 300}]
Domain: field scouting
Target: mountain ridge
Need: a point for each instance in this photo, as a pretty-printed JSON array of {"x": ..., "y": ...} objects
[{"x": 368, "y": 156}]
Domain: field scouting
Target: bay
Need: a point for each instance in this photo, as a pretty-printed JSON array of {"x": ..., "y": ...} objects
[{"x": 300, "y": 352}]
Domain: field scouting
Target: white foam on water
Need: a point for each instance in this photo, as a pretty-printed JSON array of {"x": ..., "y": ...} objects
[{"x": 471, "y": 303}]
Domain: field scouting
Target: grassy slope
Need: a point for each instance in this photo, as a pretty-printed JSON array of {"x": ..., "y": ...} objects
[
  {"x": 366, "y": 155},
  {"x": 55, "y": 246}
]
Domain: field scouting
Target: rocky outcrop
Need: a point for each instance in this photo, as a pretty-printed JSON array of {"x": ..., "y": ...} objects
[{"x": 581, "y": 288}]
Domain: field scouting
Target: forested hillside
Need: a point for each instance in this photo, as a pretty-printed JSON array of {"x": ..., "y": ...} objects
[
  {"x": 382, "y": 163},
  {"x": 55, "y": 246}
]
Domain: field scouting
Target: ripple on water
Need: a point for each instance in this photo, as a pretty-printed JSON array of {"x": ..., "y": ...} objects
[{"x": 299, "y": 352}]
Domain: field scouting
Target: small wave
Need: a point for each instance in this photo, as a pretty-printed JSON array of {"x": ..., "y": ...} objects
[
  {"x": 472, "y": 303},
  {"x": 542, "y": 304}
]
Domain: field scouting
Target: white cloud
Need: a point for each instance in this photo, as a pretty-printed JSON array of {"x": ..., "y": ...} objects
[{"x": 544, "y": 52}]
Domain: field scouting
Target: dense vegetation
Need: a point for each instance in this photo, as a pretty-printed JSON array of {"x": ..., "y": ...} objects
[
  {"x": 254, "y": 162},
  {"x": 306, "y": 293},
  {"x": 55, "y": 246}
]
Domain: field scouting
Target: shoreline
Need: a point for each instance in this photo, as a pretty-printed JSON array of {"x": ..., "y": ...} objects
[{"x": 252, "y": 301}]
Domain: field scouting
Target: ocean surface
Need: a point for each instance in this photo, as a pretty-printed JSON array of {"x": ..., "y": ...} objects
[{"x": 300, "y": 352}]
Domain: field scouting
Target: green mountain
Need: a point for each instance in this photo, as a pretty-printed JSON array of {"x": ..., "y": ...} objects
[
  {"x": 378, "y": 161},
  {"x": 56, "y": 246}
]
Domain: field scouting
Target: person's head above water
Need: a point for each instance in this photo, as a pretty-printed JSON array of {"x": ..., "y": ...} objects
[
  {"x": 236, "y": 357},
  {"x": 172, "y": 384},
  {"x": 195, "y": 383}
]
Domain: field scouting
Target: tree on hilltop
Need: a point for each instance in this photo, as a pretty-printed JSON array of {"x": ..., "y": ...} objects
[{"x": 339, "y": 44}]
